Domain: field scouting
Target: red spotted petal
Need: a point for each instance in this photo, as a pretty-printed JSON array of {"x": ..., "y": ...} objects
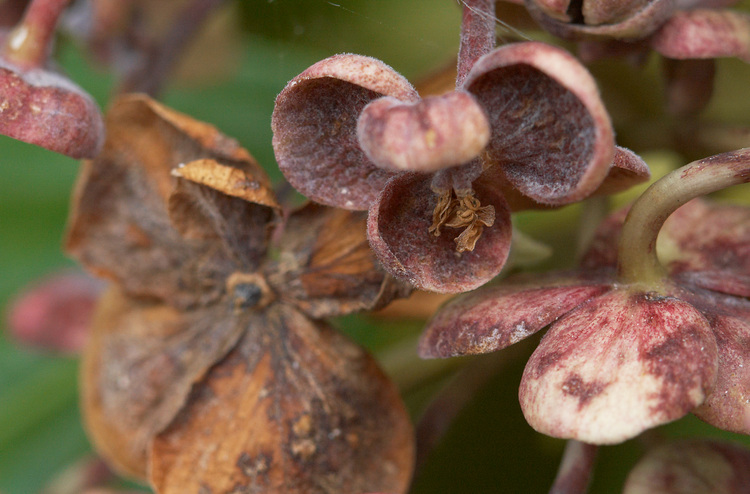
[
  {"x": 492, "y": 318},
  {"x": 618, "y": 365}
]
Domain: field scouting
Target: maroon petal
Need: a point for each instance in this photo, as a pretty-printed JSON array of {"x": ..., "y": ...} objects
[
  {"x": 47, "y": 109},
  {"x": 424, "y": 136},
  {"x": 618, "y": 365},
  {"x": 495, "y": 317},
  {"x": 689, "y": 84},
  {"x": 314, "y": 127},
  {"x": 398, "y": 228},
  {"x": 551, "y": 134},
  {"x": 692, "y": 466},
  {"x": 703, "y": 33}
]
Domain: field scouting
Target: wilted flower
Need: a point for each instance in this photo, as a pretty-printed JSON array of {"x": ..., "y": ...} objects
[
  {"x": 525, "y": 125},
  {"x": 210, "y": 367},
  {"x": 38, "y": 105},
  {"x": 635, "y": 349}
]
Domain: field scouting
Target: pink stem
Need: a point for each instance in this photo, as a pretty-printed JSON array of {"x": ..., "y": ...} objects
[
  {"x": 477, "y": 35},
  {"x": 28, "y": 45},
  {"x": 575, "y": 469}
]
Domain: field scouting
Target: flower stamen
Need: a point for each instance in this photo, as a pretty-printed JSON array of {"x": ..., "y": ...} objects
[{"x": 462, "y": 212}]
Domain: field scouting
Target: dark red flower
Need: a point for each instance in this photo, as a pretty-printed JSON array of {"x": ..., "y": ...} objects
[{"x": 525, "y": 126}]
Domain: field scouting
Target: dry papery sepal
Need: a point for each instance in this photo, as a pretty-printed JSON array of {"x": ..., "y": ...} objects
[
  {"x": 525, "y": 127},
  {"x": 205, "y": 344},
  {"x": 632, "y": 343}
]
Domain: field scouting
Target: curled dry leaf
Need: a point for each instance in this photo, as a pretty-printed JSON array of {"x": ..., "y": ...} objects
[{"x": 209, "y": 369}]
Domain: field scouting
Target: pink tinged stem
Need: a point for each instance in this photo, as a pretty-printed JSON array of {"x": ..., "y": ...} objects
[
  {"x": 28, "y": 45},
  {"x": 574, "y": 474},
  {"x": 477, "y": 35},
  {"x": 637, "y": 257}
]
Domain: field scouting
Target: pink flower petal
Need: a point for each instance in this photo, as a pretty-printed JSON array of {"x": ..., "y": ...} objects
[
  {"x": 398, "y": 228},
  {"x": 551, "y": 134},
  {"x": 703, "y": 33},
  {"x": 314, "y": 127},
  {"x": 424, "y": 136},
  {"x": 495, "y": 317},
  {"x": 618, "y": 365}
]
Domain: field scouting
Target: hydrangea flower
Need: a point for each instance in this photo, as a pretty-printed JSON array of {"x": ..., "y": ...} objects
[
  {"x": 210, "y": 366},
  {"x": 525, "y": 127},
  {"x": 632, "y": 344}
]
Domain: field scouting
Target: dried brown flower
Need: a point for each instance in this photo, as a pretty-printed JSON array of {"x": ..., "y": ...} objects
[{"x": 210, "y": 368}]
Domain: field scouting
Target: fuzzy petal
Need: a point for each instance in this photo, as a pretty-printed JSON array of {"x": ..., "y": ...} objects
[
  {"x": 703, "y": 33},
  {"x": 46, "y": 109},
  {"x": 120, "y": 227},
  {"x": 314, "y": 127},
  {"x": 326, "y": 267},
  {"x": 398, "y": 228},
  {"x": 425, "y": 136},
  {"x": 139, "y": 367},
  {"x": 296, "y": 407},
  {"x": 492, "y": 318},
  {"x": 551, "y": 135},
  {"x": 621, "y": 364},
  {"x": 695, "y": 466}
]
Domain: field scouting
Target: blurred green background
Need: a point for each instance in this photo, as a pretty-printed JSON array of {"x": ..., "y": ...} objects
[{"x": 490, "y": 448}]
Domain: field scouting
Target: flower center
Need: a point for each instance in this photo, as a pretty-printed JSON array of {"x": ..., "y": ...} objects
[
  {"x": 462, "y": 211},
  {"x": 248, "y": 291}
]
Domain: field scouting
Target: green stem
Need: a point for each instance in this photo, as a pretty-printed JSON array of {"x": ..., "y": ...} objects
[
  {"x": 29, "y": 43},
  {"x": 637, "y": 257}
]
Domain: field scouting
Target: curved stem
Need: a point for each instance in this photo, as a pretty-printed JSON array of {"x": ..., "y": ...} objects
[
  {"x": 28, "y": 44},
  {"x": 574, "y": 474},
  {"x": 637, "y": 259},
  {"x": 477, "y": 34}
]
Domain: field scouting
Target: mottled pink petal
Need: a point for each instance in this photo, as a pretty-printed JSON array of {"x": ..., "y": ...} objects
[
  {"x": 398, "y": 229},
  {"x": 695, "y": 466},
  {"x": 728, "y": 405},
  {"x": 47, "y": 109},
  {"x": 703, "y": 33},
  {"x": 618, "y": 365},
  {"x": 494, "y": 317},
  {"x": 314, "y": 127},
  {"x": 598, "y": 12},
  {"x": 54, "y": 314},
  {"x": 551, "y": 135},
  {"x": 424, "y": 136}
]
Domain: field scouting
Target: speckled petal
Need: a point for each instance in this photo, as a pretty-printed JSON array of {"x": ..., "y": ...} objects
[
  {"x": 703, "y": 33},
  {"x": 314, "y": 126},
  {"x": 694, "y": 466},
  {"x": 551, "y": 135},
  {"x": 398, "y": 228},
  {"x": 428, "y": 135},
  {"x": 492, "y": 318},
  {"x": 618, "y": 365}
]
